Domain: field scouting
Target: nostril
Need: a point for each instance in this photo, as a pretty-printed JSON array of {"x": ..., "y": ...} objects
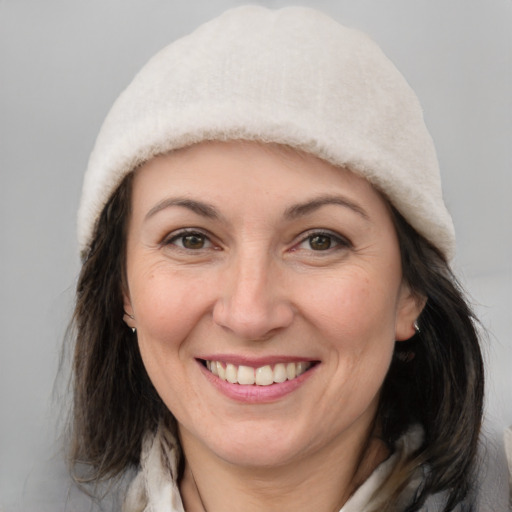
[{"x": 254, "y": 321}]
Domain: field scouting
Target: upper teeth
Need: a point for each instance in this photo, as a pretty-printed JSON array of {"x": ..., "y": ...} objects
[{"x": 262, "y": 376}]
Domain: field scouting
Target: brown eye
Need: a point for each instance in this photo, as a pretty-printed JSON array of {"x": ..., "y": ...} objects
[
  {"x": 323, "y": 241},
  {"x": 320, "y": 242},
  {"x": 190, "y": 240},
  {"x": 193, "y": 241}
]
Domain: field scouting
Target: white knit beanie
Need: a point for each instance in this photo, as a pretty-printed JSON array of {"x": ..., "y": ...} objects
[{"x": 291, "y": 76}]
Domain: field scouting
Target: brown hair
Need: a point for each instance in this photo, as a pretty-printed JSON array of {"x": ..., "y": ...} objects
[
  {"x": 114, "y": 400},
  {"x": 435, "y": 379}
]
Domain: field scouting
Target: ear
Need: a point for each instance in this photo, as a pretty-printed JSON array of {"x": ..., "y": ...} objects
[
  {"x": 410, "y": 306},
  {"x": 128, "y": 317}
]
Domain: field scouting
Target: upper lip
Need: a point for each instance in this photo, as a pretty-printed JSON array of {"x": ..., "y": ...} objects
[{"x": 256, "y": 362}]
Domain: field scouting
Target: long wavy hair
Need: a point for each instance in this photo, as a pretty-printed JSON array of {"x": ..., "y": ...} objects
[{"x": 435, "y": 379}]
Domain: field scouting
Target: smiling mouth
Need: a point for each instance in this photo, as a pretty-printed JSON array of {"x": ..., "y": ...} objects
[{"x": 261, "y": 376}]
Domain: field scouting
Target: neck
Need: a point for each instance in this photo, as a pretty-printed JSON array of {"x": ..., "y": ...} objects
[{"x": 211, "y": 484}]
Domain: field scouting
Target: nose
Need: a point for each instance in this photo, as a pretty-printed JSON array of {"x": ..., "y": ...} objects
[{"x": 252, "y": 300}]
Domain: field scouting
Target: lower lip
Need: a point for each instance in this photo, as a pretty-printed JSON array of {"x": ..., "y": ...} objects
[{"x": 254, "y": 393}]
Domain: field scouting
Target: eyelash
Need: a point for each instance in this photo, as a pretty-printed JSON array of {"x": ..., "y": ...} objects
[
  {"x": 334, "y": 241},
  {"x": 171, "y": 240}
]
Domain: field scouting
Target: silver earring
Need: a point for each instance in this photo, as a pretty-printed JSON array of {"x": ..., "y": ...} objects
[
  {"x": 133, "y": 318},
  {"x": 416, "y": 326}
]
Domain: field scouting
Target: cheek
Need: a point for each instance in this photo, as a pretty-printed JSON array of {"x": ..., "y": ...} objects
[
  {"x": 354, "y": 309},
  {"x": 356, "y": 319},
  {"x": 167, "y": 308},
  {"x": 356, "y": 316}
]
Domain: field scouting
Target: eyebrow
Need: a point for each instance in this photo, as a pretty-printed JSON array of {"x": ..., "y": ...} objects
[
  {"x": 301, "y": 209},
  {"x": 203, "y": 209},
  {"x": 292, "y": 212}
]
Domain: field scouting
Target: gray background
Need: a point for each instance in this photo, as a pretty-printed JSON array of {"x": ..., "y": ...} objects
[{"x": 62, "y": 64}]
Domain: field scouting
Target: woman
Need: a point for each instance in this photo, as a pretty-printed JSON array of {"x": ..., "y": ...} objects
[{"x": 265, "y": 314}]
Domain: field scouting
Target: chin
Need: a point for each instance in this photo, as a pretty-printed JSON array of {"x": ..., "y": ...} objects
[
  {"x": 253, "y": 444},
  {"x": 259, "y": 454}
]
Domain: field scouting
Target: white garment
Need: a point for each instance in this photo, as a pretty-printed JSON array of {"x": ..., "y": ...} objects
[{"x": 155, "y": 487}]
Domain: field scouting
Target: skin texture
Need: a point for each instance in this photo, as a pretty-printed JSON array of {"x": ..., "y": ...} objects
[{"x": 290, "y": 258}]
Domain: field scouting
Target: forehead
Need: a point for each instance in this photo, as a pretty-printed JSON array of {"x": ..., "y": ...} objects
[{"x": 223, "y": 168}]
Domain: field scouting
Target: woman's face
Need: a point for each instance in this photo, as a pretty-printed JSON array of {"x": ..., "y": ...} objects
[{"x": 266, "y": 289}]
